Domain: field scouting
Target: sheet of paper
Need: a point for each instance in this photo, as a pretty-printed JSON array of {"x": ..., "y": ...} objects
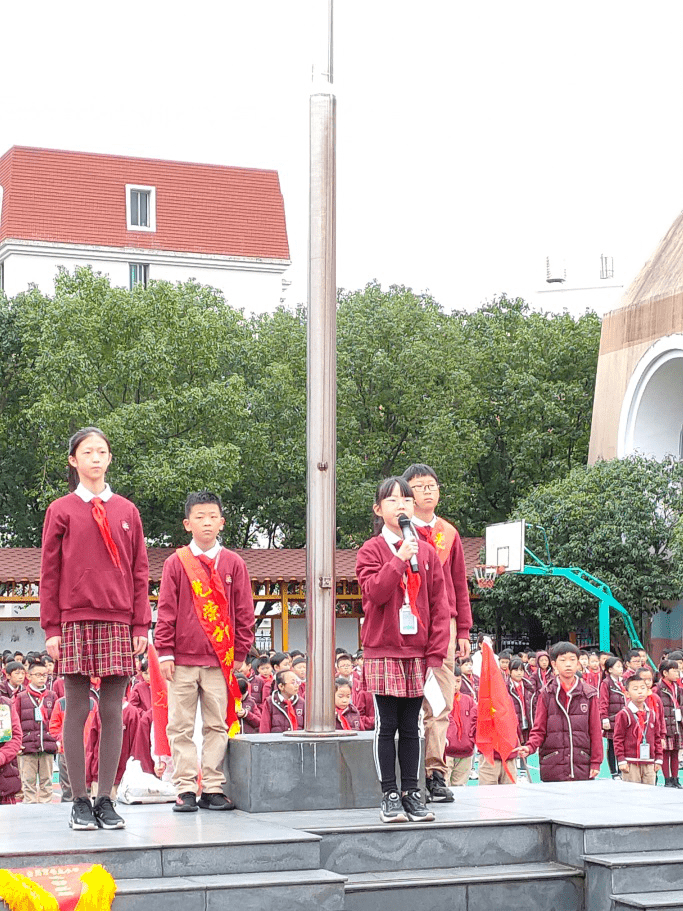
[{"x": 433, "y": 694}]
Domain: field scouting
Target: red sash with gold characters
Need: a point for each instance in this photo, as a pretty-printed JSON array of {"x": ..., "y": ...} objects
[
  {"x": 71, "y": 887},
  {"x": 211, "y": 606},
  {"x": 444, "y": 536}
]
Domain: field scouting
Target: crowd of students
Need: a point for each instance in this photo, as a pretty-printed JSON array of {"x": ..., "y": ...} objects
[{"x": 566, "y": 700}]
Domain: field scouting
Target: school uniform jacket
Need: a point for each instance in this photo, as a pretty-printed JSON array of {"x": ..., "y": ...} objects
[
  {"x": 568, "y": 739},
  {"x": 670, "y": 702},
  {"x": 612, "y": 701},
  {"x": 251, "y": 722},
  {"x": 470, "y": 686},
  {"x": 78, "y": 579},
  {"x": 36, "y": 733},
  {"x": 179, "y": 634},
  {"x": 379, "y": 572},
  {"x": 274, "y": 717},
  {"x": 10, "y": 779},
  {"x": 352, "y": 717},
  {"x": 460, "y": 744},
  {"x": 257, "y": 686},
  {"x": 522, "y": 706},
  {"x": 141, "y": 697},
  {"x": 628, "y": 735},
  {"x": 364, "y": 702}
]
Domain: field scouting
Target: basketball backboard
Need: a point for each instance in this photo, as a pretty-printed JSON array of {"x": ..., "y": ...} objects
[{"x": 505, "y": 545}]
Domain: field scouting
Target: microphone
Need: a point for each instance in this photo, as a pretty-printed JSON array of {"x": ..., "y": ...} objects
[{"x": 406, "y": 530}]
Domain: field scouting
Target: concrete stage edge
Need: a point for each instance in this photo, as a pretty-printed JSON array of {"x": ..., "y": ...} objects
[{"x": 587, "y": 846}]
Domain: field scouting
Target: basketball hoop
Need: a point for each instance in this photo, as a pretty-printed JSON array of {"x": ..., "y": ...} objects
[{"x": 485, "y": 575}]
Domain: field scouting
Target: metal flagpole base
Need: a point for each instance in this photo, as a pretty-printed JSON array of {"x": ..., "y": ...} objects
[{"x": 319, "y": 735}]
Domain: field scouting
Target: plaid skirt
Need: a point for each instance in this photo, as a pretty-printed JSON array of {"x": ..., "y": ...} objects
[
  {"x": 672, "y": 743},
  {"x": 96, "y": 648},
  {"x": 394, "y": 676}
]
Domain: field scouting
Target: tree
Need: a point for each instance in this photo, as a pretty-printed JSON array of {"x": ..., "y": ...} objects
[
  {"x": 404, "y": 395},
  {"x": 619, "y": 520},
  {"x": 159, "y": 369},
  {"x": 535, "y": 378}
]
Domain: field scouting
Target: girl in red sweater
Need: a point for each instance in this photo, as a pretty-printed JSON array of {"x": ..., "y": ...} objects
[
  {"x": 405, "y": 634},
  {"x": 95, "y": 612}
]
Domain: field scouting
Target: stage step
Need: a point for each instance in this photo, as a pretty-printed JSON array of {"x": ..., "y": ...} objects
[
  {"x": 648, "y": 901},
  {"x": 414, "y": 846},
  {"x": 630, "y": 873},
  {"x": 545, "y": 886},
  {"x": 302, "y": 890}
]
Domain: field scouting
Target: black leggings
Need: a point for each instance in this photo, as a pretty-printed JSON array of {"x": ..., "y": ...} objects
[
  {"x": 77, "y": 698},
  {"x": 397, "y": 713}
]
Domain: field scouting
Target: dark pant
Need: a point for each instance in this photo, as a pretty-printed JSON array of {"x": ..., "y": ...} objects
[
  {"x": 392, "y": 714},
  {"x": 611, "y": 758}
]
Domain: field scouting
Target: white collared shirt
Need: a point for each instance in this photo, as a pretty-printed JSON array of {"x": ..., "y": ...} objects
[
  {"x": 421, "y": 524},
  {"x": 390, "y": 537},
  {"x": 87, "y": 495},
  {"x": 211, "y": 553}
]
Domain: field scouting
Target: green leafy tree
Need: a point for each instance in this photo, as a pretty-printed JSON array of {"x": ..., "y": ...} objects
[
  {"x": 619, "y": 520},
  {"x": 404, "y": 395},
  {"x": 535, "y": 379}
]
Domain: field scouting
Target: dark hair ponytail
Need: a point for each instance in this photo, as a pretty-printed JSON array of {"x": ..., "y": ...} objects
[{"x": 74, "y": 442}]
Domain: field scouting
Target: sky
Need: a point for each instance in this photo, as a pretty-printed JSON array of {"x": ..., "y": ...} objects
[{"x": 473, "y": 139}]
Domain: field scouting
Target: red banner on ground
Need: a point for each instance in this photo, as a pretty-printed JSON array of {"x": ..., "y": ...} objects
[{"x": 48, "y": 888}]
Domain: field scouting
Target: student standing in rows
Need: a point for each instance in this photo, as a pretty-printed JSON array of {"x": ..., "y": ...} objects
[
  {"x": 637, "y": 744},
  {"x": 566, "y": 730},
  {"x": 36, "y": 763},
  {"x": 95, "y": 611},
  {"x": 204, "y": 631},
  {"x": 444, "y": 538},
  {"x": 405, "y": 635},
  {"x": 612, "y": 701},
  {"x": 670, "y": 695}
]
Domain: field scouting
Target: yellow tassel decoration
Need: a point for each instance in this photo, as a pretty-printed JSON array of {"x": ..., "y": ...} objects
[
  {"x": 99, "y": 890},
  {"x": 22, "y": 894}
]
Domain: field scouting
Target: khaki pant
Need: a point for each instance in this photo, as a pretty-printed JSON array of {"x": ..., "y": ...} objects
[
  {"x": 640, "y": 773},
  {"x": 458, "y": 770},
  {"x": 207, "y": 686},
  {"x": 36, "y": 776},
  {"x": 436, "y": 728},
  {"x": 496, "y": 774}
]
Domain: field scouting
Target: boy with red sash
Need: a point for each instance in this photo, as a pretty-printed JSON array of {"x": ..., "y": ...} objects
[
  {"x": 203, "y": 634},
  {"x": 445, "y": 540}
]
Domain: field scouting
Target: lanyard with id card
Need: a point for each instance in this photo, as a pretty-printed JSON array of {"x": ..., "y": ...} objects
[{"x": 407, "y": 621}]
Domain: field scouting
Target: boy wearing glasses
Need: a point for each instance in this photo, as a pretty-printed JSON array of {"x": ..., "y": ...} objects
[
  {"x": 36, "y": 761},
  {"x": 445, "y": 539}
]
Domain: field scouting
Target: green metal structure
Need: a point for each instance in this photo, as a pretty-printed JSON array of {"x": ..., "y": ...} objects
[{"x": 588, "y": 583}]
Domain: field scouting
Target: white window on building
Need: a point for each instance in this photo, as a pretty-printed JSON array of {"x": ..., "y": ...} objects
[
  {"x": 2, "y": 276},
  {"x": 139, "y": 274},
  {"x": 0, "y": 204},
  {"x": 141, "y": 208}
]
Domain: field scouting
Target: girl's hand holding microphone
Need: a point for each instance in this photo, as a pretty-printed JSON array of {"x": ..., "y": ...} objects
[{"x": 408, "y": 550}]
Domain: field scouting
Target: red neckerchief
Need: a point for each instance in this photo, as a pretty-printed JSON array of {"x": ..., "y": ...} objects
[
  {"x": 455, "y": 714},
  {"x": 291, "y": 713},
  {"x": 99, "y": 514},
  {"x": 414, "y": 583},
  {"x": 427, "y": 533},
  {"x": 342, "y": 719},
  {"x": 520, "y": 690}
]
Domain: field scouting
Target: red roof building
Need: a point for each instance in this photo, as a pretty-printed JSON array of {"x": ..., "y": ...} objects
[{"x": 139, "y": 219}]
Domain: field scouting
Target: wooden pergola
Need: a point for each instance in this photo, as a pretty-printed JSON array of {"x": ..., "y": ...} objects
[{"x": 278, "y": 576}]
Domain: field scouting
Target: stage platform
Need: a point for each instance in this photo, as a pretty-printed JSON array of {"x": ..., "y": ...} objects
[{"x": 589, "y": 846}]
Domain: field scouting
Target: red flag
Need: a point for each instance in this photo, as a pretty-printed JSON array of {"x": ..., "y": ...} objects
[
  {"x": 159, "y": 687},
  {"x": 496, "y": 719}
]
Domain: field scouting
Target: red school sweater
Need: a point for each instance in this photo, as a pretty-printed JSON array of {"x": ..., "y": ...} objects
[
  {"x": 179, "y": 634},
  {"x": 78, "y": 579},
  {"x": 379, "y": 572}
]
